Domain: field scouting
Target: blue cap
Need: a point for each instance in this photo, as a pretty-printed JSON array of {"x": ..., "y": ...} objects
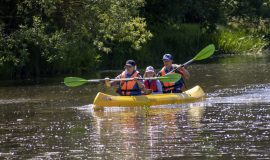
[
  {"x": 167, "y": 57},
  {"x": 130, "y": 63}
]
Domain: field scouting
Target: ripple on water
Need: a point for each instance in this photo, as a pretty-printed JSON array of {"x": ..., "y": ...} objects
[
  {"x": 248, "y": 94},
  {"x": 231, "y": 124},
  {"x": 19, "y": 100}
]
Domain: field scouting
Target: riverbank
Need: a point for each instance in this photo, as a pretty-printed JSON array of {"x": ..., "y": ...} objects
[
  {"x": 182, "y": 41},
  {"x": 224, "y": 59}
]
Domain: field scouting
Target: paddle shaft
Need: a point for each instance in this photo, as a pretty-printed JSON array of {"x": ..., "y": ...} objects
[
  {"x": 203, "y": 54},
  {"x": 122, "y": 79},
  {"x": 182, "y": 65}
]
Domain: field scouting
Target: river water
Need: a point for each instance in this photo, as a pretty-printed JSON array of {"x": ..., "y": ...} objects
[{"x": 52, "y": 121}]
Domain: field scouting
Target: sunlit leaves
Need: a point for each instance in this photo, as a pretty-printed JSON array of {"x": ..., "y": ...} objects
[
  {"x": 48, "y": 31},
  {"x": 118, "y": 21},
  {"x": 135, "y": 31}
]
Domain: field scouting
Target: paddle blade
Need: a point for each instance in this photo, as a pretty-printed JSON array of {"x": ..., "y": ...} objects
[
  {"x": 74, "y": 81},
  {"x": 170, "y": 77},
  {"x": 205, "y": 53}
]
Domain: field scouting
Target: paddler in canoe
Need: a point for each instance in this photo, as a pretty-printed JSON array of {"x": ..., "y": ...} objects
[
  {"x": 138, "y": 87},
  {"x": 129, "y": 88},
  {"x": 154, "y": 85},
  {"x": 102, "y": 100},
  {"x": 169, "y": 68}
]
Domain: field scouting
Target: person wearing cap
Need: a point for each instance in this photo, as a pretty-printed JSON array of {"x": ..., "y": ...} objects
[
  {"x": 169, "y": 68},
  {"x": 153, "y": 84},
  {"x": 131, "y": 87}
]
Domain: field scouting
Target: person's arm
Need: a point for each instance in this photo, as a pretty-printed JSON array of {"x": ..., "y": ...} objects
[
  {"x": 139, "y": 82},
  {"x": 159, "y": 74},
  {"x": 159, "y": 87},
  {"x": 109, "y": 83},
  {"x": 184, "y": 72},
  {"x": 141, "y": 85}
]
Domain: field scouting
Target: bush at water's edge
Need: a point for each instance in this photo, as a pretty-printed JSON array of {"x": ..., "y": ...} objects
[
  {"x": 186, "y": 40},
  {"x": 239, "y": 41},
  {"x": 183, "y": 41}
]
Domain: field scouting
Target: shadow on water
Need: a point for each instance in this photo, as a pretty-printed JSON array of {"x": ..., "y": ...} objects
[{"x": 56, "y": 122}]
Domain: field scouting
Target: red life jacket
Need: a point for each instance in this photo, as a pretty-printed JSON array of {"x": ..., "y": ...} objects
[
  {"x": 151, "y": 85},
  {"x": 127, "y": 87}
]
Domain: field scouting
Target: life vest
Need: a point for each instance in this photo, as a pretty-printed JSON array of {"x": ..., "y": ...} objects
[
  {"x": 151, "y": 85},
  {"x": 170, "y": 86},
  {"x": 128, "y": 88}
]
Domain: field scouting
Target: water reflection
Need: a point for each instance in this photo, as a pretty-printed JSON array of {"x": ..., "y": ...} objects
[{"x": 139, "y": 128}]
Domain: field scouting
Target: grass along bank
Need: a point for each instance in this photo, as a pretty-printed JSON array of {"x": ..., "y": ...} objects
[
  {"x": 239, "y": 41},
  {"x": 183, "y": 41}
]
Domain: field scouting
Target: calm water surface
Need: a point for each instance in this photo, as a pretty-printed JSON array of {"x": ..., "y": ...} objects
[{"x": 53, "y": 121}]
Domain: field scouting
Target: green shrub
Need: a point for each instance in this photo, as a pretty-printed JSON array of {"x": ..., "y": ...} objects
[
  {"x": 182, "y": 41},
  {"x": 239, "y": 41}
]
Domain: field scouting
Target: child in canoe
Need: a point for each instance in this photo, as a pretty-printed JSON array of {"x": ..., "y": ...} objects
[{"x": 153, "y": 84}]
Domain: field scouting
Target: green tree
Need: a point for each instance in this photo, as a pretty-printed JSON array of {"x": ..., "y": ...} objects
[
  {"x": 207, "y": 13},
  {"x": 39, "y": 35}
]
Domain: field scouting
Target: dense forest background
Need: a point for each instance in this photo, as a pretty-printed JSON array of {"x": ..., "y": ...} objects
[{"x": 51, "y": 37}]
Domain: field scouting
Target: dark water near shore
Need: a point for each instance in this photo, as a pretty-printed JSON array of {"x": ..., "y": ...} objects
[{"x": 52, "y": 121}]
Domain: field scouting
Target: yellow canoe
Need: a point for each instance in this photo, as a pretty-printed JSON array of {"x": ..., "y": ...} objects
[{"x": 104, "y": 100}]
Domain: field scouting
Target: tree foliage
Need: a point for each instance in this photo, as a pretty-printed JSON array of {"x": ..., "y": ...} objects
[
  {"x": 45, "y": 32},
  {"x": 66, "y": 36}
]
